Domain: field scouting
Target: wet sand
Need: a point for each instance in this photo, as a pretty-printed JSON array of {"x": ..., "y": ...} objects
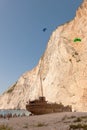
[{"x": 56, "y": 121}]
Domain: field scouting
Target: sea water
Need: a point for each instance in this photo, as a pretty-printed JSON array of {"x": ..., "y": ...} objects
[{"x": 17, "y": 112}]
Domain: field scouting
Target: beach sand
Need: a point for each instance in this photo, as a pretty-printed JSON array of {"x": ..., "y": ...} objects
[{"x": 55, "y": 121}]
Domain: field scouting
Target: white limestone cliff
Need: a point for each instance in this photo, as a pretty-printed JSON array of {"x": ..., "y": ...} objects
[{"x": 63, "y": 69}]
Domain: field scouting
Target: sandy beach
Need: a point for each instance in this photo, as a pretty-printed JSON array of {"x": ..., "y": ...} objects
[{"x": 56, "y": 121}]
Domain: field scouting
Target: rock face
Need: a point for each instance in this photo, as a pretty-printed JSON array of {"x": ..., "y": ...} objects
[{"x": 62, "y": 69}]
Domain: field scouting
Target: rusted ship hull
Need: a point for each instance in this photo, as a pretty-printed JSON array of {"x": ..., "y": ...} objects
[{"x": 39, "y": 107}]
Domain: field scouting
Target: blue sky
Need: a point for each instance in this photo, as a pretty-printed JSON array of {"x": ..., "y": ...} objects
[{"x": 22, "y": 41}]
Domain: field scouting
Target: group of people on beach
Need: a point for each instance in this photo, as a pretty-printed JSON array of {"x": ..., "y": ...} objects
[{"x": 10, "y": 115}]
